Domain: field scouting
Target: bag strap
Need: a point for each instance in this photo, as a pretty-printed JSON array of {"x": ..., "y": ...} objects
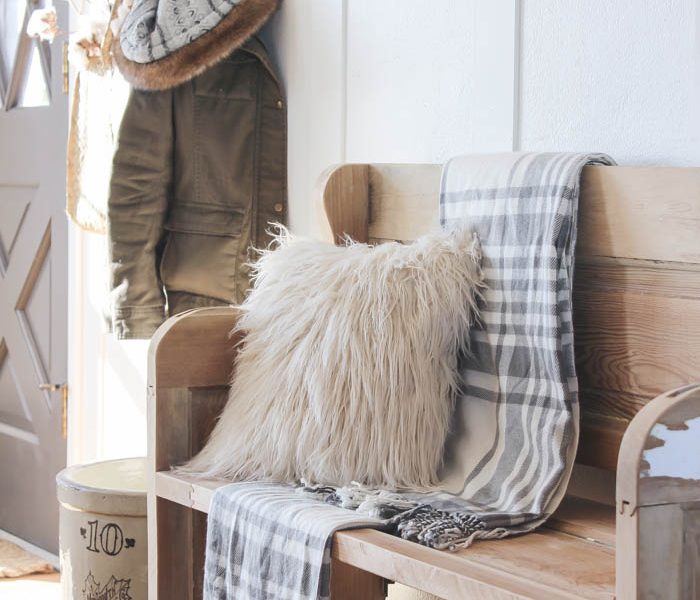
[{"x": 109, "y": 35}]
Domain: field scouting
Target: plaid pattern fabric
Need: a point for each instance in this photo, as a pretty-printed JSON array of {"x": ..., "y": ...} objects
[
  {"x": 267, "y": 541},
  {"x": 520, "y": 386},
  {"x": 515, "y": 426}
]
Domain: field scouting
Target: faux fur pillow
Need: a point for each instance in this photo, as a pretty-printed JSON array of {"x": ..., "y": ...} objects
[{"x": 348, "y": 368}]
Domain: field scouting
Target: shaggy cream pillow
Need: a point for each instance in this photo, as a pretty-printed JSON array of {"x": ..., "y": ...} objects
[{"x": 348, "y": 368}]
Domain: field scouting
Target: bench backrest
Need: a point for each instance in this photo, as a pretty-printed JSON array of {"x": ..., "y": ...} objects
[{"x": 637, "y": 277}]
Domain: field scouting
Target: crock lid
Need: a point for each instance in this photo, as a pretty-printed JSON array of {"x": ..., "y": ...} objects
[{"x": 113, "y": 487}]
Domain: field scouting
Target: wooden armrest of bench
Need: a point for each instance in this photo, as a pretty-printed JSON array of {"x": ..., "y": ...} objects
[
  {"x": 190, "y": 365},
  {"x": 194, "y": 348},
  {"x": 190, "y": 361},
  {"x": 659, "y": 460},
  {"x": 658, "y": 499}
]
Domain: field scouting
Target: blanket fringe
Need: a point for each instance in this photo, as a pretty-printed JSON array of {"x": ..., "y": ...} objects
[
  {"x": 412, "y": 521},
  {"x": 440, "y": 529},
  {"x": 379, "y": 504}
]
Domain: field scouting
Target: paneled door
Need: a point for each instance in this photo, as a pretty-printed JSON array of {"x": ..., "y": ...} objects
[{"x": 33, "y": 275}]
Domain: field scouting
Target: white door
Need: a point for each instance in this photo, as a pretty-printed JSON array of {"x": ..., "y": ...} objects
[{"x": 33, "y": 275}]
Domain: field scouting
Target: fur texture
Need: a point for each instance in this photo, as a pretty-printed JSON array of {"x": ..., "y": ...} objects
[
  {"x": 348, "y": 369},
  {"x": 189, "y": 61}
]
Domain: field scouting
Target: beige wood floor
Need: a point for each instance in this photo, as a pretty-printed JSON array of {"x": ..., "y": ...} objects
[{"x": 31, "y": 587}]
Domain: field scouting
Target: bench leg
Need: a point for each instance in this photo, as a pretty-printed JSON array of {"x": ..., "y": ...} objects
[
  {"x": 351, "y": 583},
  {"x": 176, "y": 552}
]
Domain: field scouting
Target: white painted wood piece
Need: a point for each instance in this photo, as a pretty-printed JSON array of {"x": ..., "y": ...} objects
[{"x": 495, "y": 114}]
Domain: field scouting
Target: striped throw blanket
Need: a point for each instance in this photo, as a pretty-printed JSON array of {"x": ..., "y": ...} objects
[
  {"x": 515, "y": 427},
  {"x": 267, "y": 542}
]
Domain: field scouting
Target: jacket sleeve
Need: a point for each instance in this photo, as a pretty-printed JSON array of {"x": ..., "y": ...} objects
[{"x": 138, "y": 201}]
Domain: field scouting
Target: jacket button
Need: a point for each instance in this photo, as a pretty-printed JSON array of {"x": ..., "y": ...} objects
[
  {"x": 279, "y": 104},
  {"x": 278, "y": 207}
]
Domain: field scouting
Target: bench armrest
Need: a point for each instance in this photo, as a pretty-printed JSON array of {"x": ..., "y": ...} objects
[
  {"x": 658, "y": 499},
  {"x": 659, "y": 460},
  {"x": 190, "y": 362}
]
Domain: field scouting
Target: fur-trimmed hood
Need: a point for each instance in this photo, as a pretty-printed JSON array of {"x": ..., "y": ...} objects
[{"x": 163, "y": 43}]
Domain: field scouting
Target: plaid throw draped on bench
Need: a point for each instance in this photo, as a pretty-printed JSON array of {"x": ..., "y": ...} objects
[
  {"x": 266, "y": 542},
  {"x": 515, "y": 427}
]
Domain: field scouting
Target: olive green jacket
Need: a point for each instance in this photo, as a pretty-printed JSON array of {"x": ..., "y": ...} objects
[{"x": 199, "y": 173}]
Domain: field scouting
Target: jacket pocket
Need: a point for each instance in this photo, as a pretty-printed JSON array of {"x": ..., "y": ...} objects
[
  {"x": 208, "y": 219},
  {"x": 225, "y": 137},
  {"x": 233, "y": 79},
  {"x": 203, "y": 252}
]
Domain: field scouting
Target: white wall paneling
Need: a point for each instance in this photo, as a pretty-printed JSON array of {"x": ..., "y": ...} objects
[
  {"x": 617, "y": 77},
  {"x": 430, "y": 80},
  {"x": 307, "y": 39},
  {"x": 496, "y": 31},
  {"x": 391, "y": 81},
  {"x": 410, "y": 81}
]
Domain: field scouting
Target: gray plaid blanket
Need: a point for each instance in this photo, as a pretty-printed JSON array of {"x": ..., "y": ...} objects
[
  {"x": 515, "y": 427},
  {"x": 267, "y": 542}
]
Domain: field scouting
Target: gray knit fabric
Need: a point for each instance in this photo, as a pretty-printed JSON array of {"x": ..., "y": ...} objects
[{"x": 153, "y": 29}]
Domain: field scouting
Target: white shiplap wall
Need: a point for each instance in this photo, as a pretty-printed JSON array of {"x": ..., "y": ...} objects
[
  {"x": 419, "y": 81},
  {"x": 621, "y": 77},
  {"x": 391, "y": 81}
]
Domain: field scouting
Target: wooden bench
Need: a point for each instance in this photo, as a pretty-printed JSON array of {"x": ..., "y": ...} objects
[{"x": 630, "y": 525}]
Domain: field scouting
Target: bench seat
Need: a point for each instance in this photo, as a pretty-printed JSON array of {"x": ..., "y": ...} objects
[
  {"x": 572, "y": 556},
  {"x": 544, "y": 564}
]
